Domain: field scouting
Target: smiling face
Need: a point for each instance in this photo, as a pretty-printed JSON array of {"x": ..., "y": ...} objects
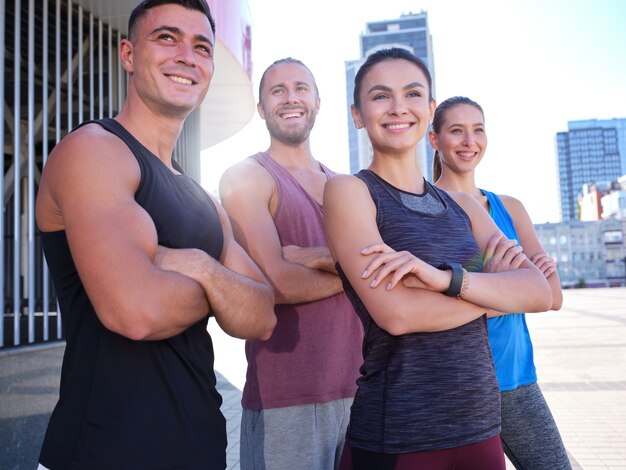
[
  {"x": 170, "y": 59},
  {"x": 289, "y": 102},
  {"x": 394, "y": 107},
  {"x": 461, "y": 140}
]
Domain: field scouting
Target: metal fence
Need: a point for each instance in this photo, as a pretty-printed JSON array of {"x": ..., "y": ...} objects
[{"x": 60, "y": 67}]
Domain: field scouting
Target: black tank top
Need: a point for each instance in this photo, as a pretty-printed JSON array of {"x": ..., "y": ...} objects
[
  {"x": 423, "y": 391},
  {"x": 137, "y": 404}
]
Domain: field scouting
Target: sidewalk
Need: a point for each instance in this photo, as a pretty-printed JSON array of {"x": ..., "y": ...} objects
[{"x": 580, "y": 356}]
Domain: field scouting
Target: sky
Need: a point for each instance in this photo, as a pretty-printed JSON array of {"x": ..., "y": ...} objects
[{"x": 533, "y": 65}]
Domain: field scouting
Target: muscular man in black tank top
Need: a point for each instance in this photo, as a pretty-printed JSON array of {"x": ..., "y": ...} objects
[{"x": 140, "y": 257}]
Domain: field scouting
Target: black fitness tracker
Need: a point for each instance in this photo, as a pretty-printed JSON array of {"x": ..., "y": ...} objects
[{"x": 456, "y": 283}]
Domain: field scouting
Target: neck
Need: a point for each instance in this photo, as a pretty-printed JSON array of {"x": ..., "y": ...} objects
[
  {"x": 463, "y": 183},
  {"x": 157, "y": 132},
  {"x": 293, "y": 155},
  {"x": 402, "y": 171}
]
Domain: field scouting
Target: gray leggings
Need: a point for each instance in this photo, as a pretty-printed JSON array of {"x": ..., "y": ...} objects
[{"x": 530, "y": 437}]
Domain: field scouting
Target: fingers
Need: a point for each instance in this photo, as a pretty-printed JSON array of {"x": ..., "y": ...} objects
[
  {"x": 377, "y": 248},
  {"x": 544, "y": 263},
  {"x": 504, "y": 247},
  {"x": 492, "y": 244},
  {"x": 399, "y": 263}
]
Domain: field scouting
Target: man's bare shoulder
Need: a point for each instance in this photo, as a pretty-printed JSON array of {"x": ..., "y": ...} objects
[
  {"x": 247, "y": 176},
  {"x": 87, "y": 146},
  {"x": 88, "y": 166}
]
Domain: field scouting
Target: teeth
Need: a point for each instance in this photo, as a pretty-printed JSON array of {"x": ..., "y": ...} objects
[
  {"x": 397, "y": 126},
  {"x": 182, "y": 80},
  {"x": 291, "y": 115}
]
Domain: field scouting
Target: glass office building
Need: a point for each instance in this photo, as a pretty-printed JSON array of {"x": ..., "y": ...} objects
[{"x": 591, "y": 151}]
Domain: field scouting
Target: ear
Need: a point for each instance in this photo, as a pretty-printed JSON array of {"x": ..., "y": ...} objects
[
  {"x": 259, "y": 108},
  {"x": 356, "y": 117},
  {"x": 431, "y": 108},
  {"x": 126, "y": 55},
  {"x": 432, "y": 138}
]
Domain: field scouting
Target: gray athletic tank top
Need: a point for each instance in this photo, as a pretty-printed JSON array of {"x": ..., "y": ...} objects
[{"x": 423, "y": 391}]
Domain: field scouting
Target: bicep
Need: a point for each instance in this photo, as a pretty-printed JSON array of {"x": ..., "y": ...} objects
[
  {"x": 524, "y": 227},
  {"x": 245, "y": 197},
  {"x": 233, "y": 256},
  {"x": 350, "y": 220},
  {"x": 111, "y": 238},
  {"x": 483, "y": 226}
]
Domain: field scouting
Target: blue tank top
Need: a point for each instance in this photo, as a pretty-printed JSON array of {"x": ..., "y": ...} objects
[
  {"x": 510, "y": 341},
  {"x": 423, "y": 391},
  {"x": 127, "y": 404}
]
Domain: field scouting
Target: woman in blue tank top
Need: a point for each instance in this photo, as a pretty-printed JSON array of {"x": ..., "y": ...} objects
[
  {"x": 410, "y": 257},
  {"x": 530, "y": 437}
]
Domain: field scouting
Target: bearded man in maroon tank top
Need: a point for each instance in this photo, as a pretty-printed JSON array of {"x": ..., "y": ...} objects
[{"x": 300, "y": 383}]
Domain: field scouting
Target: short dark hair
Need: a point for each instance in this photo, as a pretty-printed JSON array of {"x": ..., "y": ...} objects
[
  {"x": 389, "y": 54},
  {"x": 141, "y": 9},
  {"x": 438, "y": 118},
  {"x": 286, "y": 60}
]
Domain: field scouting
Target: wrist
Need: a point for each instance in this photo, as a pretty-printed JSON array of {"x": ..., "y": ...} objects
[{"x": 459, "y": 280}]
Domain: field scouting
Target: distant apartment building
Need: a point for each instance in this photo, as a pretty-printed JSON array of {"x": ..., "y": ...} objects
[
  {"x": 591, "y": 151},
  {"x": 411, "y": 32},
  {"x": 588, "y": 253}
]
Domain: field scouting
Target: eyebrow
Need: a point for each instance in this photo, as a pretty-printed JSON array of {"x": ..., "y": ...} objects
[
  {"x": 285, "y": 85},
  {"x": 387, "y": 89},
  {"x": 178, "y": 31}
]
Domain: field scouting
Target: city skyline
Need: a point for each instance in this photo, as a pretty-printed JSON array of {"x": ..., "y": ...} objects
[{"x": 533, "y": 66}]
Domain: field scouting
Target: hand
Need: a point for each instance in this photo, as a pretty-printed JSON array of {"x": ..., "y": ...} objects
[
  {"x": 502, "y": 254},
  {"x": 403, "y": 266},
  {"x": 315, "y": 257},
  {"x": 545, "y": 263}
]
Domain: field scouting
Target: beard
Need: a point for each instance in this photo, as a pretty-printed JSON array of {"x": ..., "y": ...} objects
[{"x": 291, "y": 135}]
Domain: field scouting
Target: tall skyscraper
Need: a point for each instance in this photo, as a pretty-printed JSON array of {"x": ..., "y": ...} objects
[
  {"x": 591, "y": 151},
  {"x": 411, "y": 32}
]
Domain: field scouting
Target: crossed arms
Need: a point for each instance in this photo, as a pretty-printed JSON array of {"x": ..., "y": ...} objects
[
  {"x": 401, "y": 292},
  {"x": 138, "y": 289}
]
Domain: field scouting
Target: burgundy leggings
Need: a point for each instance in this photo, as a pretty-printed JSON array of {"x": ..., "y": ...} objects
[{"x": 483, "y": 455}]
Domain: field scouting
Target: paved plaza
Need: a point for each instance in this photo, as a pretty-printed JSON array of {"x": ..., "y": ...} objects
[{"x": 580, "y": 357}]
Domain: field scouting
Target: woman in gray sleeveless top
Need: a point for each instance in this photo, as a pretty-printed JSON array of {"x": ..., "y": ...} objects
[{"x": 411, "y": 258}]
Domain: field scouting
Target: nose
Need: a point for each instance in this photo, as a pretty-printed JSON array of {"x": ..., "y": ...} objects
[
  {"x": 292, "y": 96},
  {"x": 397, "y": 107},
  {"x": 468, "y": 139},
  {"x": 185, "y": 54}
]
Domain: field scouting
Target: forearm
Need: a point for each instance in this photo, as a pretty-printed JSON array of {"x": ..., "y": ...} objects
[
  {"x": 294, "y": 283},
  {"x": 243, "y": 307},
  {"x": 174, "y": 303},
  {"x": 520, "y": 290},
  {"x": 315, "y": 257},
  {"x": 416, "y": 310}
]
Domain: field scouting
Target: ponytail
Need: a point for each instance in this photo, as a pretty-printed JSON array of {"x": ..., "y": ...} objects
[{"x": 436, "y": 166}]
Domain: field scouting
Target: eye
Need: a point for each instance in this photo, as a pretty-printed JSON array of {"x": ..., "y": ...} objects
[
  {"x": 277, "y": 91},
  {"x": 414, "y": 94},
  {"x": 205, "y": 50},
  {"x": 166, "y": 37},
  {"x": 379, "y": 96},
  {"x": 456, "y": 131},
  {"x": 480, "y": 130}
]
